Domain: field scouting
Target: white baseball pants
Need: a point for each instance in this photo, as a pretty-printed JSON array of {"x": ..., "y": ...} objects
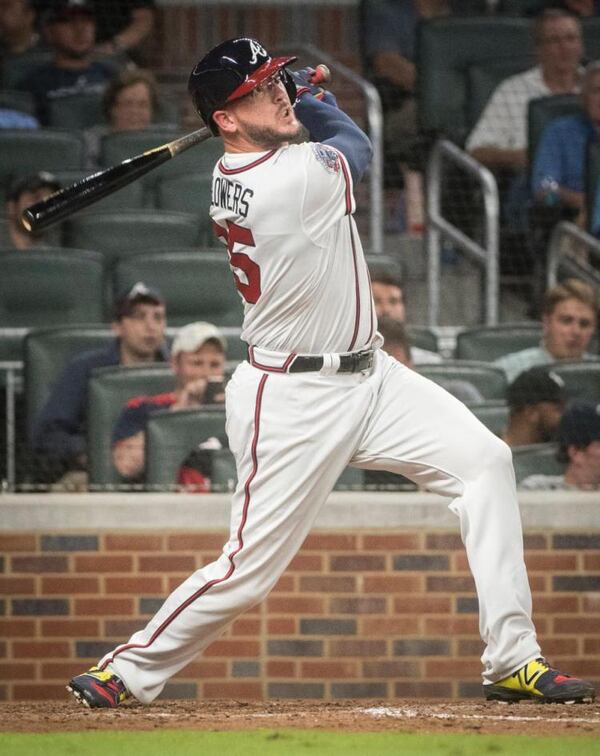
[{"x": 292, "y": 435}]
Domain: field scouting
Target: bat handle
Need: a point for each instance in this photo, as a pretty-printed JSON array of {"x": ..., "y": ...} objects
[{"x": 320, "y": 75}]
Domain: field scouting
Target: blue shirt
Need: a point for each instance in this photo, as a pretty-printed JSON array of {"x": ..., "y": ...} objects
[
  {"x": 561, "y": 153},
  {"x": 14, "y": 119},
  {"x": 391, "y": 26}
]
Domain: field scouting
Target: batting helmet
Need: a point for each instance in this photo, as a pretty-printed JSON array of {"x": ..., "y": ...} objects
[{"x": 230, "y": 71}]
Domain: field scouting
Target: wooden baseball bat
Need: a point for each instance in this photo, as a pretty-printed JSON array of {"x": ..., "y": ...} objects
[{"x": 90, "y": 189}]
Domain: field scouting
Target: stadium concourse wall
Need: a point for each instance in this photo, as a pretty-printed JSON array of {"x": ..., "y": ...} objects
[{"x": 378, "y": 603}]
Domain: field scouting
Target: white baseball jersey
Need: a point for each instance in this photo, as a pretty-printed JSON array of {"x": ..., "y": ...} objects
[{"x": 293, "y": 246}]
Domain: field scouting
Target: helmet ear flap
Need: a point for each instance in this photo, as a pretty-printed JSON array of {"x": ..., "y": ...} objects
[{"x": 289, "y": 85}]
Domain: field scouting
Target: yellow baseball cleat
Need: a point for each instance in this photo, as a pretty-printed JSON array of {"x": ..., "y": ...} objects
[{"x": 539, "y": 681}]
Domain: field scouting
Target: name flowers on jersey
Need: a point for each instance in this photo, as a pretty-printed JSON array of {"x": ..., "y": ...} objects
[
  {"x": 231, "y": 195},
  {"x": 328, "y": 157}
]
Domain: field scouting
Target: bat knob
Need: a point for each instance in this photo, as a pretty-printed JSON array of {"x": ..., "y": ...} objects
[{"x": 321, "y": 75}]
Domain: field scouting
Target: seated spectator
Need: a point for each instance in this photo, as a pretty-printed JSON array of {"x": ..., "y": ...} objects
[
  {"x": 569, "y": 318},
  {"x": 123, "y": 25},
  {"x": 536, "y": 399},
  {"x": 390, "y": 41},
  {"x": 388, "y": 298},
  {"x": 499, "y": 138},
  {"x": 198, "y": 364},
  {"x": 129, "y": 103},
  {"x": 196, "y": 471},
  {"x": 70, "y": 29},
  {"x": 561, "y": 156},
  {"x": 18, "y": 33},
  {"x": 578, "y": 448},
  {"x": 59, "y": 434},
  {"x": 21, "y": 194}
]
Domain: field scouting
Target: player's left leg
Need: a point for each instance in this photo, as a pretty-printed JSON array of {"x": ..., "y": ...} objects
[{"x": 419, "y": 430}]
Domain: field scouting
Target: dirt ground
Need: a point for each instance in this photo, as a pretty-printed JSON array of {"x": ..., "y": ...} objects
[{"x": 401, "y": 716}]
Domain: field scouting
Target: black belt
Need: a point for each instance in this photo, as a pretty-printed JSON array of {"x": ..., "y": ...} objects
[{"x": 349, "y": 363}]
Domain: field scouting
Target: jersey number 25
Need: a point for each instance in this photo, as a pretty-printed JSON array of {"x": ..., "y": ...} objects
[{"x": 250, "y": 291}]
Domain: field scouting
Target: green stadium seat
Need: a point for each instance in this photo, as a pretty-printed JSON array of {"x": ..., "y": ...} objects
[
  {"x": 493, "y": 414},
  {"x": 81, "y": 111},
  {"x": 50, "y": 287},
  {"x": 196, "y": 285},
  {"x": 13, "y": 99},
  {"x": 446, "y": 48},
  {"x": 582, "y": 379},
  {"x": 535, "y": 459},
  {"x": 487, "y": 343},
  {"x": 483, "y": 78},
  {"x": 489, "y": 380},
  {"x": 189, "y": 193},
  {"x": 17, "y": 68},
  {"x": 109, "y": 390},
  {"x": 171, "y": 436},
  {"x": 542, "y": 110},
  {"x": 47, "y": 351},
  {"x": 32, "y": 150},
  {"x": 116, "y": 233},
  {"x": 423, "y": 337}
]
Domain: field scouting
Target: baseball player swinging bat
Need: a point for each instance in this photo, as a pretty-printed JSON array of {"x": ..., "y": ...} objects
[{"x": 81, "y": 194}]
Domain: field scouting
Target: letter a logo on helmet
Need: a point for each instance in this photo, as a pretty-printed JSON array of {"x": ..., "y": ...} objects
[{"x": 232, "y": 70}]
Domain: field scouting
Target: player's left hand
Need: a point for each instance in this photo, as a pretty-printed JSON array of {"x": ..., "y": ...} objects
[{"x": 303, "y": 81}]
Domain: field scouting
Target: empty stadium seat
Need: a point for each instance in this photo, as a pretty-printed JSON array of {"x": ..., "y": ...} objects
[
  {"x": 493, "y": 414},
  {"x": 109, "y": 389},
  {"x": 483, "y": 78},
  {"x": 80, "y": 111},
  {"x": 171, "y": 436},
  {"x": 115, "y": 233},
  {"x": 535, "y": 459},
  {"x": 32, "y": 150},
  {"x": 50, "y": 287},
  {"x": 489, "y": 380},
  {"x": 189, "y": 193},
  {"x": 582, "y": 378},
  {"x": 487, "y": 343},
  {"x": 47, "y": 351},
  {"x": 446, "y": 48},
  {"x": 196, "y": 285},
  {"x": 13, "y": 99},
  {"x": 423, "y": 337}
]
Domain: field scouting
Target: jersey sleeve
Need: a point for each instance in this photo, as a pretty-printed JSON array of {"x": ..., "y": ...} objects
[{"x": 328, "y": 191}]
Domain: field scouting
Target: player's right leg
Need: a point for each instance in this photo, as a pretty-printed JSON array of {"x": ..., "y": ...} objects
[{"x": 292, "y": 436}]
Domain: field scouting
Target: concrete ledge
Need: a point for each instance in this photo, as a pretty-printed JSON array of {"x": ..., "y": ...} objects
[{"x": 343, "y": 511}]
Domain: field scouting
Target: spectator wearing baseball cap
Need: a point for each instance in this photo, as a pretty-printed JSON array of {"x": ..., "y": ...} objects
[
  {"x": 198, "y": 364},
  {"x": 536, "y": 399},
  {"x": 69, "y": 27},
  {"x": 22, "y": 193},
  {"x": 578, "y": 448},
  {"x": 59, "y": 435}
]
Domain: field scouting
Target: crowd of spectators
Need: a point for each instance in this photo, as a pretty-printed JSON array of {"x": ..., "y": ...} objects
[{"x": 69, "y": 48}]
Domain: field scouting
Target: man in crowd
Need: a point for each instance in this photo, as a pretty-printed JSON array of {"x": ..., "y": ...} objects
[
  {"x": 59, "y": 433},
  {"x": 70, "y": 29},
  {"x": 578, "y": 449},
  {"x": 198, "y": 364},
  {"x": 388, "y": 298},
  {"x": 23, "y": 193},
  {"x": 536, "y": 399},
  {"x": 19, "y": 38},
  {"x": 569, "y": 318}
]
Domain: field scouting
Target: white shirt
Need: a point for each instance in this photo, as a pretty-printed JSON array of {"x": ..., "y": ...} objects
[
  {"x": 503, "y": 122},
  {"x": 294, "y": 249}
]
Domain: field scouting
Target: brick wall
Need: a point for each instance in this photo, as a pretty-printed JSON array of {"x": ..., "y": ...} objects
[{"x": 360, "y": 613}]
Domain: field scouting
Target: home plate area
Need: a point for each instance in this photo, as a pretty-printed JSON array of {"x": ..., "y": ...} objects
[{"x": 365, "y": 716}]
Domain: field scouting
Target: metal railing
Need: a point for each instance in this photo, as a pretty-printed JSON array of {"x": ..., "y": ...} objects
[
  {"x": 375, "y": 130},
  {"x": 486, "y": 255},
  {"x": 560, "y": 255}
]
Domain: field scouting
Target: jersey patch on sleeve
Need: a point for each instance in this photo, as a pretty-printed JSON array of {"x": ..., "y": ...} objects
[{"x": 327, "y": 156}]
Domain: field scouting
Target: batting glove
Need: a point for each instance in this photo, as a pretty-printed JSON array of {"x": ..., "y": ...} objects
[{"x": 304, "y": 85}]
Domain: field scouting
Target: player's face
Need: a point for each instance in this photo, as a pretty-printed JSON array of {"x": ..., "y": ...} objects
[
  {"x": 569, "y": 329},
  {"x": 132, "y": 109},
  {"x": 560, "y": 47},
  {"x": 75, "y": 36},
  {"x": 265, "y": 117},
  {"x": 143, "y": 331},
  {"x": 206, "y": 362},
  {"x": 388, "y": 300}
]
